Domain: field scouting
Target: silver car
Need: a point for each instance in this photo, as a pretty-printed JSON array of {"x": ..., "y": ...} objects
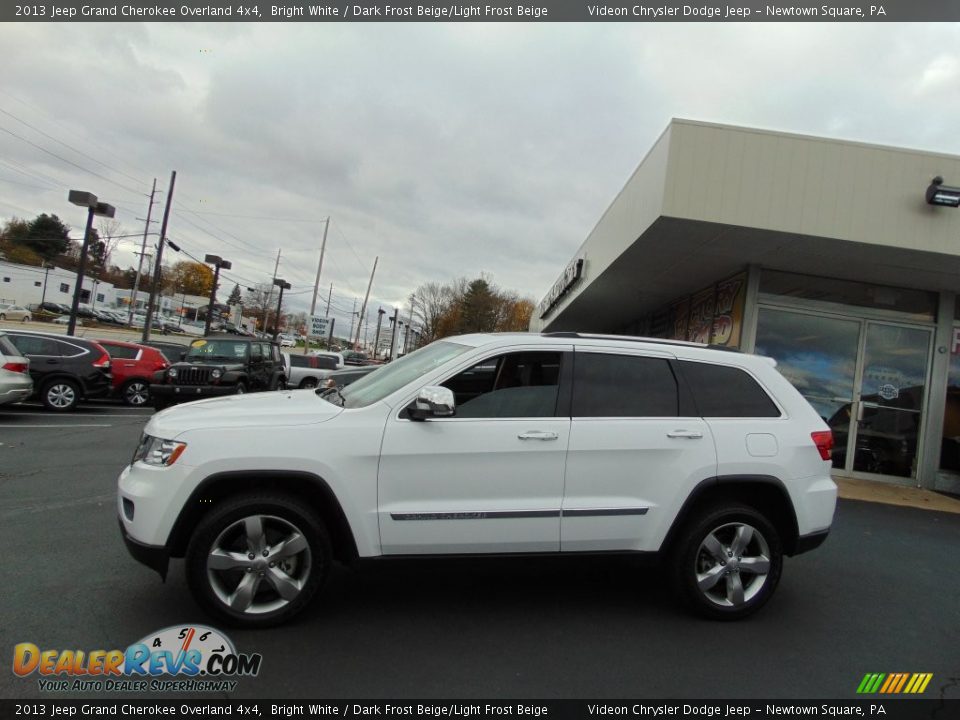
[
  {"x": 307, "y": 371},
  {"x": 15, "y": 381}
]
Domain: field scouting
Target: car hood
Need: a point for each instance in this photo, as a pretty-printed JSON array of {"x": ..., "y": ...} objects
[
  {"x": 225, "y": 364},
  {"x": 266, "y": 409}
]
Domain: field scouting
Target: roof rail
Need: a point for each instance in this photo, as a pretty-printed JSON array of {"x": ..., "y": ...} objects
[{"x": 636, "y": 338}]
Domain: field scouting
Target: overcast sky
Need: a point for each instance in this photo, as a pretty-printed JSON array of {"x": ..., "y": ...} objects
[{"x": 446, "y": 149}]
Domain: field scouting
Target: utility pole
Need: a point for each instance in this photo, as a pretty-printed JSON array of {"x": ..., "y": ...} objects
[
  {"x": 157, "y": 265},
  {"x": 143, "y": 251},
  {"x": 316, "y": 284},
  {"x": 266, "y": 312},
  {"x": 353, "y": 314},
  {"x": 329, "y": 295},
  {"x": 363, "y": 308},
  {"x": 406, "y": 334}
]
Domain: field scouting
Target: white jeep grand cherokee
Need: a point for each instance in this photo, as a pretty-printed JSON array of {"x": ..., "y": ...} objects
[{"x": 479, "y": 444}]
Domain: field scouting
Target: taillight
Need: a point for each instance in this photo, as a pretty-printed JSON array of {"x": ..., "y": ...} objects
[
  {"x": 103, "y": 363},
  {"x": 823, "y": 439},
  {"x": 16, "y": 367}
]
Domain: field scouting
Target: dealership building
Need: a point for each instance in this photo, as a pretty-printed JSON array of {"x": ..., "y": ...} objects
[{"x": 839, "y": 259}]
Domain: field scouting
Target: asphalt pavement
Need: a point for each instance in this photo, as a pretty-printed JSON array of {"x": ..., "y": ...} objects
[{"x": 879, "y": 596}]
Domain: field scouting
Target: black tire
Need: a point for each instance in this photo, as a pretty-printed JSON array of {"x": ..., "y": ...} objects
[
  {"x": 308, "y": 383},
  {"x": 2, "y": 317},
  {"x": 24, "y": 318},
  {"x": 135, "y": 392},
  {"x": 726, "y": 528},
  {"x": 281, "y": 384},
  {"x": 60, "y": 395},
  {"x": 281, "y": 519},
  {"x": 241, "y": 388}
]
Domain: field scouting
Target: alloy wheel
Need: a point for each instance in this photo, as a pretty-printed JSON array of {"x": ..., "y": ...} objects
[
  {"x": 258, "y": 564},
  {"x": 61, "y": 396},
  {"x": 732, "y": 564},
  {"x": 137, "y": 393}
]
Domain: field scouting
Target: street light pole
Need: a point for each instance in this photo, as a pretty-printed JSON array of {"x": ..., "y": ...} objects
[
  {"x": 89, "y": 201},
  {"x": 283, "y": 285},
  {"x": 217, "y": 263}
]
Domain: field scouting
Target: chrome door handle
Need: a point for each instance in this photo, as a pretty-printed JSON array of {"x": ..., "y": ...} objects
[
  {"x": 688, "y": 434},
  {"x": 538, "y": 435}
]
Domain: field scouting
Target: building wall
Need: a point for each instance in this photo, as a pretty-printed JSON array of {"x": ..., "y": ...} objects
[
  {"x": 24, "y": 285},
  {"x": 809, "y": 186}
]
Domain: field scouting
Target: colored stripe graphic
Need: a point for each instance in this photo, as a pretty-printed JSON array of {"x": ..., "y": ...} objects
[{"x": 894, "y": 683}]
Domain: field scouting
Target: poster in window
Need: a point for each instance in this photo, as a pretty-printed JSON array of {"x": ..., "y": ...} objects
[
  {"x": 679, "y": 317},
  {"x": 728, "y": 315},
  {"x": 701, "y": 316}
]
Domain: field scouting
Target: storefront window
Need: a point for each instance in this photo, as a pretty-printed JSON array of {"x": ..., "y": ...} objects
[
  {"x": 950, "y": 446},
  {"x": 819, "y": 356},
  {"x": 915, "y": 304}
]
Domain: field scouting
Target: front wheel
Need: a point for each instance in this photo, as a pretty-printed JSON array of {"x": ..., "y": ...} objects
[
  {"x": 258, "y": 560},
  {"x": 727, "y": 562}
]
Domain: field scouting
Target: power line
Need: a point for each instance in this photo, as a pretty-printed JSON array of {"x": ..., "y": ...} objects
[
  {"x": 79, "y": 152},
  {"x": 69, "y": 162}
]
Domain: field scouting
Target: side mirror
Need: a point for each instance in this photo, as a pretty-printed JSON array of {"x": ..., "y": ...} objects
[{"x": 433, "y": 401}]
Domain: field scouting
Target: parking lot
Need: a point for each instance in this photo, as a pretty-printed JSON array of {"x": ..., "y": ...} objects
[{"x": 880, "y": 596}]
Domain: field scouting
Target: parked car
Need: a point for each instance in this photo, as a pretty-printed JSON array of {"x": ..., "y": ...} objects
[
  {"x": 132, "y": 366},
  {"x": 65, "y": 369},
  {"x": 50, "y": 307},
  {"x": 217, "y": 365},
  {"x": 65, "y": 320},
  {"x": 307, "y": 371},
  {"x": 14, "y": 312},
  {"x": 338, "y": 358},
  {"x": 173, "y": 352},
  {"x": 490, "y": 444},
  {"x": 342, "y": 378},
  {"x": 354, "y": 357},
  {"x": 286, "y": 341},
  {"x": 15, "y": 381}
]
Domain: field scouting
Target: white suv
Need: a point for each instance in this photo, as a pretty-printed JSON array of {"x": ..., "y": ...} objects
[{"x": 506, "y": 443}]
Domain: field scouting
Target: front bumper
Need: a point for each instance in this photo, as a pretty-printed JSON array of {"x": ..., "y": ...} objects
[
  {"x": 190, "y": 392},
  {"x": 153, "y": 556}
]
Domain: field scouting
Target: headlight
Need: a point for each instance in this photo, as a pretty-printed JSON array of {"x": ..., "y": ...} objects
[
  {"x": 217, "y": 372},
  {"x": 172, "y": 372},
  {"x": 158, "y": 452}
]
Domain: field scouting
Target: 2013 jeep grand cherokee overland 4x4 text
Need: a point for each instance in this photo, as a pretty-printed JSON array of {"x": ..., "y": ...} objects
[{"x": 489, "y": 444}]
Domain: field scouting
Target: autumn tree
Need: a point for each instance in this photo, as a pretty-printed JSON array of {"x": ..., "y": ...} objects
[{"x": 190, "y": 277}]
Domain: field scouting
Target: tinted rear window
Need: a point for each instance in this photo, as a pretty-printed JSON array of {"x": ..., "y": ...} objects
[
  {"x": 121, "y": 351},
  {"x": 723, "y": 391},
  {"x": 606, "y": 385}
]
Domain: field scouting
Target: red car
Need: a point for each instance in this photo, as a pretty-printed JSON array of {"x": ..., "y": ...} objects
[{"x": 133, "y": 366}]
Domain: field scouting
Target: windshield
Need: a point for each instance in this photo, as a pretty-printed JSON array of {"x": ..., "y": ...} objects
[
  {"x": 217, "y": 350},
  {"x": 390, "y": 378}
]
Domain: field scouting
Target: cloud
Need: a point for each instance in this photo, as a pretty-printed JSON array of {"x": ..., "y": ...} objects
[{"x": 444, "y": 149}]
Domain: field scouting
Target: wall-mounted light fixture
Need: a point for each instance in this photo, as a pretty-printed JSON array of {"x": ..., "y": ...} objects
[{"x": 940, "y": 194}]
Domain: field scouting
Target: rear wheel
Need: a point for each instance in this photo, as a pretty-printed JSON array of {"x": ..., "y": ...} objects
[
  {"x": 727, "y": 562},
  {"x": 241, "y": 388},
  {"x": 308, "y": 383},
  {"x": 136, "y": 393},
  {"x": 60, "y": 395},
  {"x": 258, "y": 560}
]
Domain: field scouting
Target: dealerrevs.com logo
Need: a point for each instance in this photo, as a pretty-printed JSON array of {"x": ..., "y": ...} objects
[{"x": 180, "y": 658}]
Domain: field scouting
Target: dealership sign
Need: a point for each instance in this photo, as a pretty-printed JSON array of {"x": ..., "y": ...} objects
[
  {"x": 319, "y": 326},
  {"x": 570, "y": 276}
]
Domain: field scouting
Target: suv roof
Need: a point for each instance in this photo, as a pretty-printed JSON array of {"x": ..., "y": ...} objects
[{"x": 233, "y": 338}]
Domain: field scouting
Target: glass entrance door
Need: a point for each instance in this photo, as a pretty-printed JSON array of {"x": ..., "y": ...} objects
[
  {"x": 866, "y": 379},
  {"x": 890, "y": 402}
]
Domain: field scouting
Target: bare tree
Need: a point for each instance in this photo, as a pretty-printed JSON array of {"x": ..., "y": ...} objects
[{"x": 110, "y": 235}]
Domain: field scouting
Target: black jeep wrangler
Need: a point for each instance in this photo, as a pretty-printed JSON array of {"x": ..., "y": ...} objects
[{"x": 217, "y": 365}]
